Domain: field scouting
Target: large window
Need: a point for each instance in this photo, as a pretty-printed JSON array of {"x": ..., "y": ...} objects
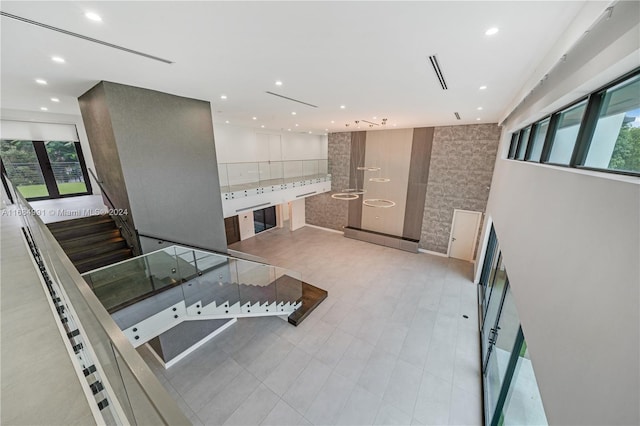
[
  {"x": 566, "y": 134},
  {"x": 601, "y": 132},
  {"x": 522, "y": 144},
  {"x": 615, "y": 143},
  {"x": 45, "y": 169},
  {"x": 537, "y": 143},
  {"x": 511, "y": 395}
]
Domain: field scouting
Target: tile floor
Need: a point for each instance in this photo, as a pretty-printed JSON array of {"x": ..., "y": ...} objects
[{"x": 388, "y": 346}]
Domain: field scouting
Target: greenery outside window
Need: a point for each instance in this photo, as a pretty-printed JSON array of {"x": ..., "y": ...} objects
[
  {"x": 615, "y": 143},
  {"x": 537, "y": 142},
  {"x": 566, "y": 134}
]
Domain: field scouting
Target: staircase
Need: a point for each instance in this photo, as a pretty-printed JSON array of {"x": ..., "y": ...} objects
[
  {"x": 91, "y": 242},
  {"x": 150, "y": 294}
]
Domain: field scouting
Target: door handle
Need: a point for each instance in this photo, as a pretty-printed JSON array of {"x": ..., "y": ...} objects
[
  {"x": 453, "y": 238},
  {"x": 493, "y": 336}
]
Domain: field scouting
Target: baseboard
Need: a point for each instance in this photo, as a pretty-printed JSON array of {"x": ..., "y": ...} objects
[
  {"x": 324, "y": 229},
  {"x": 435, "y": 253},
  {"x": 192, "y": 348}
]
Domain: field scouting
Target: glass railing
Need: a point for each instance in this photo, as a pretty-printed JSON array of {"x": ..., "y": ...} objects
[
  {"x": 198, "y": 283},
  {"x": 125, "y": 389},
  {"x": 243, "y": 176}
]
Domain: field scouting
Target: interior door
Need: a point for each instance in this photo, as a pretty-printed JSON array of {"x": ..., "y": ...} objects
[
  {"x": 232, "y": 229},
  {"x": 464, "y": 234}
]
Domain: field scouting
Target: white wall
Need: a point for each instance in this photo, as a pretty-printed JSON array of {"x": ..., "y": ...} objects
[
  {"x": 44, "y": 117},
  {"x": 571, "y": 246},
  {"x": 242, "y": 144},
  {"x": 297, "y": 214}
]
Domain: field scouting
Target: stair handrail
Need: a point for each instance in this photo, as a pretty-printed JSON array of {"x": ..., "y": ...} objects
[
  {"x": 235, "y": 255},
  {"x": 132, "y": 240},
  {"x": 100, "y": 327}
]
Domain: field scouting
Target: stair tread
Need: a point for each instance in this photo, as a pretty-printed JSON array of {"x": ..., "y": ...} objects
[
  {"x": 81, "y": 249},
  {"x": 108, "y": 234},
  {"x": 79, "y": 222},
  {"x": 124, "y": 253},
  {"x": 312, "y": 296}
]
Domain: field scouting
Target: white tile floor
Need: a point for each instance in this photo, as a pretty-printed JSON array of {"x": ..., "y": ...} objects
[{"x": 388, "y": 346}]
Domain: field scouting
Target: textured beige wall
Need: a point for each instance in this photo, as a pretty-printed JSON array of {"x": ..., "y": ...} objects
[{"x": 462, "y": 161}]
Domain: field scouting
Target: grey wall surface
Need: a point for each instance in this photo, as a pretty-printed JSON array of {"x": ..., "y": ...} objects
[
  {"x": 322, "y": 210},
  {"x": 178, "y": 339},
  {"x": 167, "y": 155},
  {"x": 462, "y": 161},
  {"x": 417, "y": 183},
  {"x": 106, "y": 158}
]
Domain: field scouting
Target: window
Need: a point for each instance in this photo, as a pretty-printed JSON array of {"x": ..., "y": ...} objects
[
  {"x": 566, "y": 134},
  {"x": 601, "y": 132},
  {"x": 45, "y": 169},
  {"x": 537, "y": 142},
  {"x": 615, "y": 143},
  {"x": 522, "y": 144},
  {"x": 514, "y": 144}
]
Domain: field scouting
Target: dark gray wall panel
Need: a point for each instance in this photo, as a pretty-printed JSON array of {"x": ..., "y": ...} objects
[
  {"x": 184, "y": 335},
  {"x": 104, "y": 150},
  {"x": 417, "y": 184},
  {"x": 168, "y": 160}
]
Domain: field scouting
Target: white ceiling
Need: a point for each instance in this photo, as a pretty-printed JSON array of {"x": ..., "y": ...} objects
[{"x": 371, "y": 57}]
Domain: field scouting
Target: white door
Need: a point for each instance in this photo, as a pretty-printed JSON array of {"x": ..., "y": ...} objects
[{"x": 464, "y": 233}]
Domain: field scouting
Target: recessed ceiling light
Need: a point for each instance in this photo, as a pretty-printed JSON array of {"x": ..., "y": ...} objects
[
  {"x": 478, "y": 119},
  {"x": 223, "y": 96},
  {"x": 58, "y": 59},
  {"x": 375, "y": 118},
  {"x": 479, "y": 108},
  {"x": 41, "y": 81},
  {"x": 293, "y": 113},
  {"x": 44, "y": 108},
  {"x": 288, "y": 130},
  {"x": 262, "y": 126},
  {"x": 492, "y": 31},
  {"x": 482, "y": 87},
  {"x": 55, "y": 100},
  {"x": 93, "y": 16},
  {"x": 278, "y": 83},
  {"x": 332, "y": 121},
  {"x": 342, "y": 107},
  {"x": 310, "y": 132},
  {"x": 227, "y": 121},
  {"x": 254, "y": 118}
]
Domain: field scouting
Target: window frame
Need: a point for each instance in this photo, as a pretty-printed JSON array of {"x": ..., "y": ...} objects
[{"x": 585, "y": 132}]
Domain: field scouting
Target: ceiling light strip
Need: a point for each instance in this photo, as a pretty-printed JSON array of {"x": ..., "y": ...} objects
[
  {"x": 370, "y": 122},
  {"x": 93, "y": 40},
  {"x": 438, "y": 71},
  {"x": 291, "y": 99}
]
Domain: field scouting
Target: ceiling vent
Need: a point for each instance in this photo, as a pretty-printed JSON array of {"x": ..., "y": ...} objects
[
  {"x": 83, "y": 37},
  {"x": 457, "y": 115},
  {"x": 291, "y": 99},
  {"x": 436, "y": 68}
]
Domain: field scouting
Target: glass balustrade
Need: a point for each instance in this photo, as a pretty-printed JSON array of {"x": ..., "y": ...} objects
[
  {"x": 208, "y": 284},
  {"x": 244, "y": 176},
  {"x": 124, "y": 388}
]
